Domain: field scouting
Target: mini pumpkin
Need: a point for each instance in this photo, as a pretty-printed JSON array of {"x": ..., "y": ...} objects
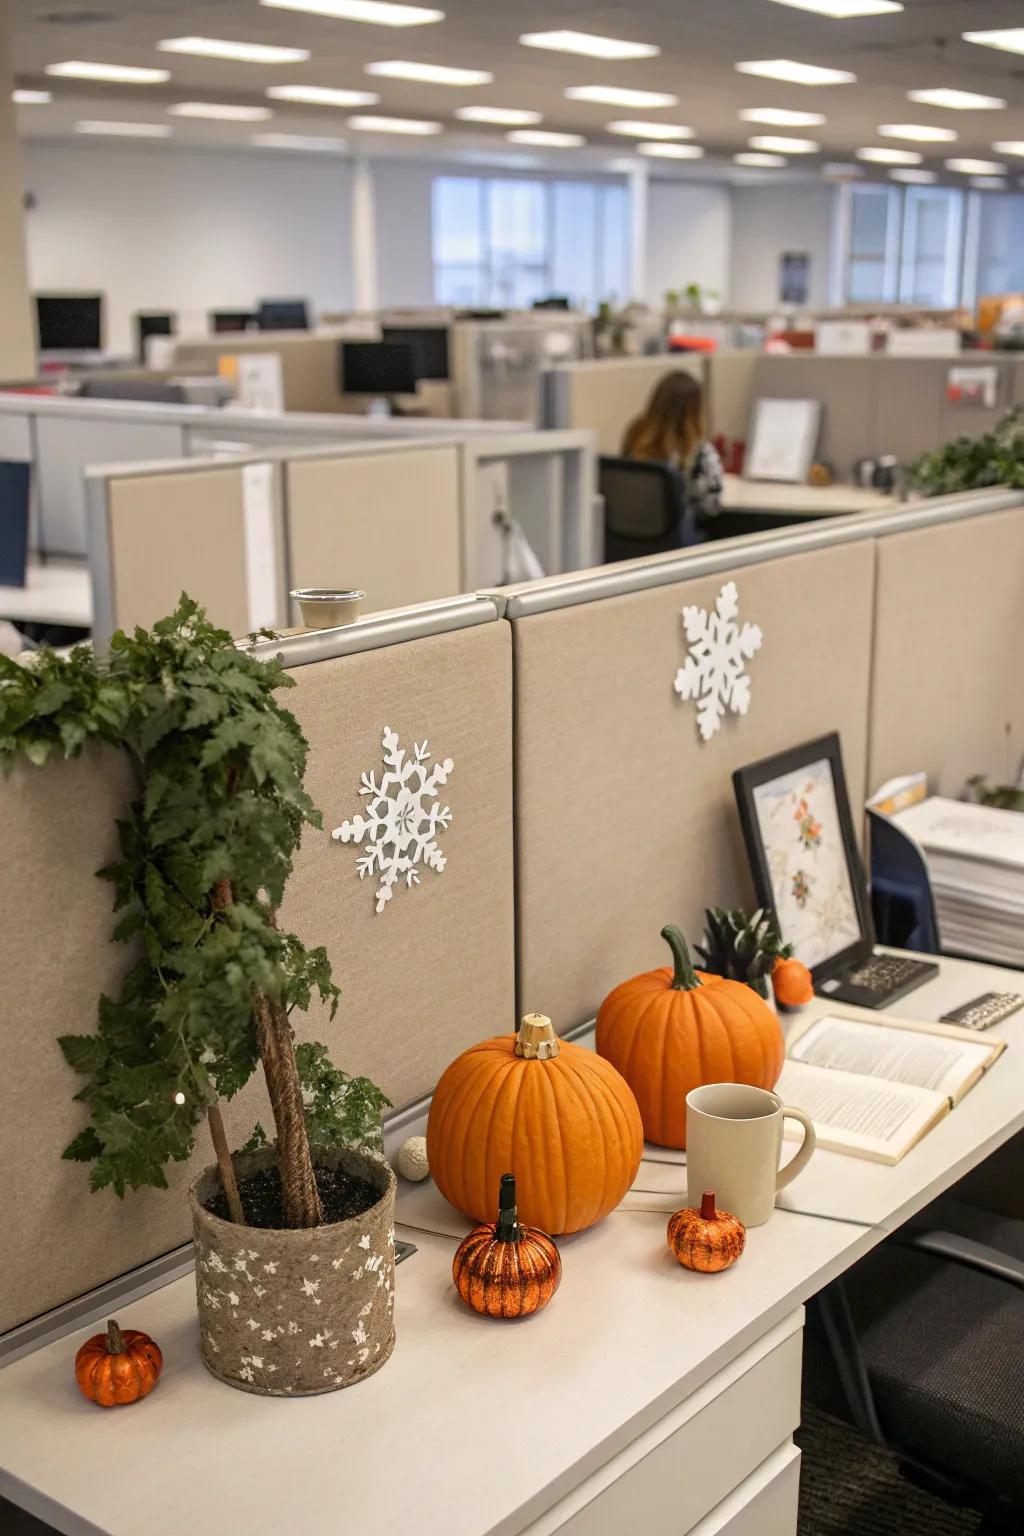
[
  {"x": 671, "y": 1030},
  {"x": 118, "y": 1367},
  {"x": 503, "y": 1269},
  {"x": 708, "y": 1240},
  {"x": 559, "y": 1116},
  {"x": 792, "y": 983}
]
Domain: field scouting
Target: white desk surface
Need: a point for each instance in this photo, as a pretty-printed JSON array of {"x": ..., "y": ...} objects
[
  {"x": 768, "y": 496},
  {"x": 473, "y": 1427},
  {"x": 59, "y": 592}
]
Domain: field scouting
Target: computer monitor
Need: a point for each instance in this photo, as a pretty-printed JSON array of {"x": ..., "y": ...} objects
[
  {"x": 283, "y": 315},
  {"x": 70, "y": 322},
  {"x": 377, "y": 368},
  {"x": 224, "y": 320},
  {"x": 555, "y": 302},
  {"x": 429, "y": 345}
]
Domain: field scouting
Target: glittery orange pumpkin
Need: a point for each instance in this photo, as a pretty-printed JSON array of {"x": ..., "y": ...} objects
[
  {"x": 503, "y": 1269},
  {"x": 115, "y": 1367},
  {"x": 708, "y": 1240}
]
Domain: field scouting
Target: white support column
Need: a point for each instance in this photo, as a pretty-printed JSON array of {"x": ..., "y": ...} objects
[
  {"x": 364, "y": 236},
  {"x": 638, "y": 214},
  {"x": 17, "y": 332}
]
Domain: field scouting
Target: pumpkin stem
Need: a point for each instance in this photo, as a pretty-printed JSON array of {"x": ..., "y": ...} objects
[
  {"x": 115, "y": 1339},
  {"x": 707, "y": 1206},
  {"x": 508, "y": 1229},
  {"x": 536, "y": 1039},
  {"x": 684, "y": 978}
]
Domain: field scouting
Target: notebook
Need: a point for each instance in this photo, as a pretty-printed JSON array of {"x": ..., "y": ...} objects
[{"x": 874, "y": 1087}]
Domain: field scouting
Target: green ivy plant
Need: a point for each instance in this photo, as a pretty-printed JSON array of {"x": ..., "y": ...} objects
[
  {"x": 971, "y": 464},
  {"x": 205, "y": 852}
]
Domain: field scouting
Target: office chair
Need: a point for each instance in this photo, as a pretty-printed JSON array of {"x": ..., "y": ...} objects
[
  {"x": 901, "y": 893},
  {"x": 643, "y": 509},
  {"x": 926, "y": 1337}
]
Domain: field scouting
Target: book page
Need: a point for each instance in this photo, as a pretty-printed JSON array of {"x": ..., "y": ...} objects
[
  {"x": 937, "y": 1062},
  {"x": 859, "y": 1115}
]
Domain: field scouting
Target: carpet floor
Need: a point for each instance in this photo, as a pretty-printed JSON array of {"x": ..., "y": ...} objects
[{"x": 851, "y": 1487}]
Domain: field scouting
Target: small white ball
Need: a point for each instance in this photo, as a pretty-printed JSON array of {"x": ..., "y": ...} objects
[{"x": 411, "y": 1161}]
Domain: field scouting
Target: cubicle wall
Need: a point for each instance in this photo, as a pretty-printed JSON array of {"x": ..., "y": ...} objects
[
  {"x": 893, "y": 628},
  {"x": 441, "y": 675},
  {"x": 603, "y": 395}
]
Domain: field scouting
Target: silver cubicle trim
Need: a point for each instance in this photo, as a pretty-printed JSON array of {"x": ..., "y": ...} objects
[
  {"x": 392, "y": 627},
  {"x": 733, "y": 554}
]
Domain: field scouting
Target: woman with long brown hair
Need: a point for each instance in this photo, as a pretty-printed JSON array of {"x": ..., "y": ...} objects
[{"x": 670, "y": 430}]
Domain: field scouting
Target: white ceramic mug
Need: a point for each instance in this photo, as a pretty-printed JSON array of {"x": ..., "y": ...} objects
[{"x": 733, "y": 1146}]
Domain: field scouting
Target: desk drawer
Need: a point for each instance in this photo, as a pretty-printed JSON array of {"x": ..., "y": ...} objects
[
  {"x": 679, "y": 1470},
  {"x": 765, "y": 1503}
]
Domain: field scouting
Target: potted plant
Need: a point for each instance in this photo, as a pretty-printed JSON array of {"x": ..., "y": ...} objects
[
  {"x": 971, "y": 464},
  {"x": 295, "y": 1239},
  {"x": 741, "y": 947}
]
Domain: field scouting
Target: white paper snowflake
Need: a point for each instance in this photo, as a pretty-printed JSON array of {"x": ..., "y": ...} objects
[
  {"x": 401, "y": 824},
  {"x": 714, "y": 671}
]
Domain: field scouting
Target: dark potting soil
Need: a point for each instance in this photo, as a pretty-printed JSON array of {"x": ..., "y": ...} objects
[{"x": 342, "y": 1194}]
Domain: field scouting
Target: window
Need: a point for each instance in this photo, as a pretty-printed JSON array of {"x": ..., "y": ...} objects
[
  {"x": 508, "y": 241},
  {"x": 931, "y": 249},
  {"x": 874, "y": 225}
]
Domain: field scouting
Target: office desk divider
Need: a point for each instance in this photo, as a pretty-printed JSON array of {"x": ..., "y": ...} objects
[
  {"x": 602, "y": 395},
  {"x": 421, "y": 981}
]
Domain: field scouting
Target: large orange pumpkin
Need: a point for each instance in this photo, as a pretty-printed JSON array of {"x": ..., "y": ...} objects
[
  {"x": 674, "y": 1029},
  {"x": 554, "y": 1113}
]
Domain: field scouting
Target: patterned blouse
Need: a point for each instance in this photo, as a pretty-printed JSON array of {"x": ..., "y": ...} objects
[{"x": 702, "y": 482}]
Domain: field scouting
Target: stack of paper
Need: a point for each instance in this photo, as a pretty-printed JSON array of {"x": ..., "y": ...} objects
[{"x": 975, "y": 857}]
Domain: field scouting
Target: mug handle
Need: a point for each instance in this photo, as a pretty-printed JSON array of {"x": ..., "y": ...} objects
[{"x": 802, "y": 1158}]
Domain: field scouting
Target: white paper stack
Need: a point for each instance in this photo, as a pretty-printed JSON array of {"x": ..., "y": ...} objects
[{"x": 975, "y": 857}]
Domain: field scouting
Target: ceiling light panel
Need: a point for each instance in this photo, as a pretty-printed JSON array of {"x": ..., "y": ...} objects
[
  {"x": 781, "y": 144},
  {"x": 968, "y": 167},
  {"x": 844, "y": 10},
  {"x": 431, "y": 74},
  {"x": 376, "y": 12},
  {"x": 636, "y": 130},
  {"x": 795, "y": 73},
  {"x": 504, "y": 117},
  {"x": 220, "y": 111},
  {"x": 919, "y": 133},
  {"x": 1005, "y": 146},
  {"x": 956, "y": 101},
  {"x": 884, "y": 156},
  {"x": 619, "y": 96},
  {"x": 243, "y": 53},
  {"x": 323, "y": 96},
  {"x": 914, "y": 178},
  {"x": 415, "y": 126},
  {"x": 751, "y": 157},
  {"x": 545, "y": 140},
  {"x": 26, "y": 98},
  {"x": 1006, "y": 39},
  {"x": 781, "y": 117},
  {"x": 589, "y": 44},
  {"x": 122, "y": 74},
  {"x": 303, "y": 141},
  {"x": 671, "y": 151},
  {"x": 124, "y": 130}
]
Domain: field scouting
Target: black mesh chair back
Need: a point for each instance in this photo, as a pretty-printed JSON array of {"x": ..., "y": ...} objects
[{"x": 643, "y": 508}]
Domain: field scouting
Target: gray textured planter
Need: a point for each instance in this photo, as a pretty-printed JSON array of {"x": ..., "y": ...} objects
[{"x": 285, "y": 1313}]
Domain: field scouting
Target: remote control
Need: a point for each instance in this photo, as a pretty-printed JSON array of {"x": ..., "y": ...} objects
[{"x": 984, "y": 1011}]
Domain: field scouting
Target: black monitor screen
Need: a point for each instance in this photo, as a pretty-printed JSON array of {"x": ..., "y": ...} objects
[
  {"x": 377, "y": 368},
  {"x": 429, "y": 345},
  {"x": 283, "y": 315},
  {"x": 224, "y": 320},
  {"x": 70, "y": 322}
]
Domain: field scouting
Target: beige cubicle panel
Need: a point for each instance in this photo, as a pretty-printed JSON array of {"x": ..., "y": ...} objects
[
  {"x": 605, "y": 394},
  {"x": 431, "y": 974},
  {"x": 844, "y": 387},
  {"x": 386, "y": 522},
  {"x": 309, "y": 363},
  {"x": 625, "y": 819},
  {"x": 947, "y": 683},
  {"x": 195, "y": 529},
  {"x": 729, "y": 378}
]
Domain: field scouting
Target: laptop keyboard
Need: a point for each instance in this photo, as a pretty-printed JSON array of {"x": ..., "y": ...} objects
[{"x": 881, "y": 973}]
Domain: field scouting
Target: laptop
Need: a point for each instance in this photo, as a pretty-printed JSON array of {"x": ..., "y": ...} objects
[{"x": 795, "y": 813}]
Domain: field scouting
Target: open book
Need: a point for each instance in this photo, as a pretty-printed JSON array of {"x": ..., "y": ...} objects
[{"x": 874, "y": 1086}]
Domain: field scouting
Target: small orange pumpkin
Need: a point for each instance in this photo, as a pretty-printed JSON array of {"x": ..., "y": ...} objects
[
  {"x": 561, "y": 1118},
  {"x": 792, "y": 983},
  {"x": 707, "y": 1240},
  {"x": 503, "y": 1269},
  {"x": 668, "y": 1031},
  {"x": 116, "y": 1367}
]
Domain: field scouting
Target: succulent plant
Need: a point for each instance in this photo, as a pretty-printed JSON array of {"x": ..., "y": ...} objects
[{"x": 741, "y": 947}]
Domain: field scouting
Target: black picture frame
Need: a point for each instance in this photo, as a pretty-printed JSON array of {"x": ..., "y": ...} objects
[{"x": 747, "y": 780}]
